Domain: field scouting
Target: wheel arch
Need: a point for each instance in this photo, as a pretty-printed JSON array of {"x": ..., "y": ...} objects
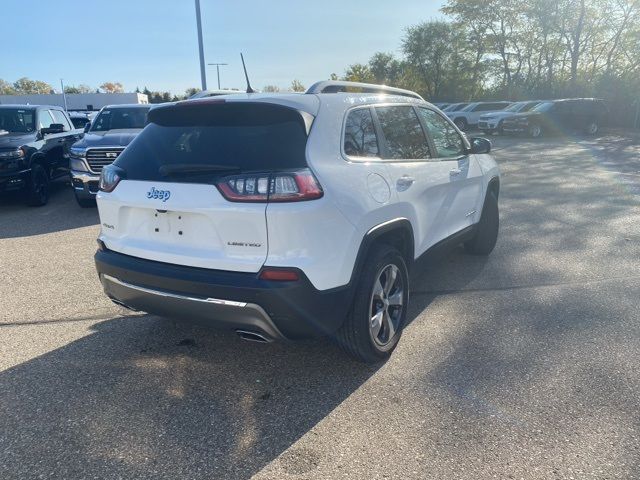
[
  {"x": 397, "y": 232},
  {"x": 494, "y": 186}
]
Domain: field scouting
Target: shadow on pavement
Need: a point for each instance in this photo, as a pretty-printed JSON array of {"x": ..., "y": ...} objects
[
  {"x": 141, "y": 395},
  {"x": 61, "y": 213}
]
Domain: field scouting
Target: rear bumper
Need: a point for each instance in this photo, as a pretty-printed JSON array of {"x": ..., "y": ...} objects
[
  {"x": 85, "y": 184},
  {"x": 222, "y": 299}
]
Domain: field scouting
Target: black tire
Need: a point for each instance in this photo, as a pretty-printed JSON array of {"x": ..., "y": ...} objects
[
  {"x": 535, "y": 131},
  {"x": 592, "y": 128},
  {"x": 356, "y": 336},
  {"x": 486, "y": 234},
  {"x": 85, "y": 202},
  {"x": 38, "y": 186},
  {"x": 461, "y": 123}
]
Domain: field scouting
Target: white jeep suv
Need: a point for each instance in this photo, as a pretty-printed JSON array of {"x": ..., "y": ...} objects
[{"x": 285, "y": 216}]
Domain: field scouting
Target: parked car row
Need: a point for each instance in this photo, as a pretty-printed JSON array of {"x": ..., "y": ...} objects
[
  {"x": 41, "y": 143},
  {"x": 532, "y": 117}
]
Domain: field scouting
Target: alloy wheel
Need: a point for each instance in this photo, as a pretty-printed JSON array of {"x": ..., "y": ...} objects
[{"x": 386, "y": 306}]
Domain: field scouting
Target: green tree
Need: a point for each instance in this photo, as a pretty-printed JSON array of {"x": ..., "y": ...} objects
[
  {"x": 358, "y": 72},
  {"x": 26, "y": 86},
  {"x": 385, "y": 68},
  {"x": 297, "y": 86},
  {"x": 435, "y": 51},
  {"x": 82, "y": 88},
  {"x": 189, "y": 92},
  {"x": 6, "y": 88}
]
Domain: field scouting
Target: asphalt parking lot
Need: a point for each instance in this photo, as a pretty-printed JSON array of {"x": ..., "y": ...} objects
[{"x": 521, "y": 365}]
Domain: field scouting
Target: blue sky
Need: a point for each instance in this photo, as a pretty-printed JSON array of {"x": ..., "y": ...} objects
[{"x": 153, "y": 43}]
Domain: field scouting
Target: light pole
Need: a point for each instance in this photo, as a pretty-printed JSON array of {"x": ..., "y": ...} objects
[
  {"x": 203, "y": 74},
  {"x": 64, "y": 95},
  {"x": 218, "y": 65}
]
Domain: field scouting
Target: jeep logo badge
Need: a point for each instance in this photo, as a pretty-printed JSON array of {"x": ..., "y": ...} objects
[{"x": 158, "y": 194}]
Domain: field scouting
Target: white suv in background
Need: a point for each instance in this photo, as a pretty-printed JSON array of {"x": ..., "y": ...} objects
[
  {"x": 285, "y": 216},
  {"x": 492, "y": 122},
  {"x": 470, "y": 115}
]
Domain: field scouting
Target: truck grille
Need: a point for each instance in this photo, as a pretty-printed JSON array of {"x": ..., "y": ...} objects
[{"x": 97, "y": 158}]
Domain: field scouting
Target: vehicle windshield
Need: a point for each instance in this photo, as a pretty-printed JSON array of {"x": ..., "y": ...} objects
[
  {"x": 468, "y": 108},
  {"x": 515, "y": 107},
  {"x": 529, "y": 106},
  {"x": 120, "y": 118},
  {"x": 543, "y": 107},
  {"x": 17, "y": 120},
  {"x": 453, "y": 107}
]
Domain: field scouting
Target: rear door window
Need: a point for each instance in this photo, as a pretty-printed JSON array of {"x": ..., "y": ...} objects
[
  {"x": 198, "y": 143},
  {"x": 360, "y": 138},
  {"x": 403, "y": 134}
]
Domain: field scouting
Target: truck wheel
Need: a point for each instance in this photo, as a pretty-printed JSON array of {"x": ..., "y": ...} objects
[
  {"x": 535, "y": 131},
  {"x": 486, "y": 234},
  {"x": 38, "y": 186},
  {"x": 374, "y": 324},
  {"x": 592, "y": 128},
  {"x": 461, "y": 123},
  {"x": 85, "y": 202}
]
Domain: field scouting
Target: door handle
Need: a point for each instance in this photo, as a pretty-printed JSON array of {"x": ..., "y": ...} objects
[
  {"x": 404, "y": 182},
  {"x": 455, "y": 171}
]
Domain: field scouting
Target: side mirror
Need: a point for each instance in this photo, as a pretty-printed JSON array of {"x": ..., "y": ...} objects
[
  {"x": 53, "y": 128},
  {"x": 480, "y": 145},
  {"x": 87, "y": 126}
]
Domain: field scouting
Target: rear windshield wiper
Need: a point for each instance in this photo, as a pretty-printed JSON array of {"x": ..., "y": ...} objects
[{"x": 196, "y": 169}]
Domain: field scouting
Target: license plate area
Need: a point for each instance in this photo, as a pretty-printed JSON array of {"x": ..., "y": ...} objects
[{"x": 169, "y": 225}]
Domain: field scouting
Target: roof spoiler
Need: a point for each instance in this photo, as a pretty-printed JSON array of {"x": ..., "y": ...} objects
[{"x": 335, "y": 86}]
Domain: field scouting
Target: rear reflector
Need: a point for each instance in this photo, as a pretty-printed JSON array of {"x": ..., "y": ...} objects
[
  {"x": 296, "y": 186},
  {"x": 279, "y": 274}
]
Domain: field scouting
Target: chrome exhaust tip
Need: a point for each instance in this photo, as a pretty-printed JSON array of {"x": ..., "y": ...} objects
[{"x": 252, "y": 336}]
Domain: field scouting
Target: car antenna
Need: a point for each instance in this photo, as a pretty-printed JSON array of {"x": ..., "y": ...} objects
[{"x": 249, "y": 89}]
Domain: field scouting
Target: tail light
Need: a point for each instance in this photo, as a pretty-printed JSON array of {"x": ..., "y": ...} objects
[
  {"x": 296, "y": 186},
  {"x": 109, "y": 178}
]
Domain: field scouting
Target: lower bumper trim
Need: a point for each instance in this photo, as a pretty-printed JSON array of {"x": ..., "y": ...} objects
[{"x": 208, "y": 311}]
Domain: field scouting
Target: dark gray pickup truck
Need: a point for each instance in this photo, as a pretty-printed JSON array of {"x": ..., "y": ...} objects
[
  {"x": 105, "y": 138},
  {"x": 34, "y": 149}
]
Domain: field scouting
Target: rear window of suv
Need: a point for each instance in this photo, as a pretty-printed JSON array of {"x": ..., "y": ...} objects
[{"x": 197, "y": 143}]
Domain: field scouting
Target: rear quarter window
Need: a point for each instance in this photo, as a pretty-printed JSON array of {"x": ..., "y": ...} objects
[{"x": 360, "y": 138}]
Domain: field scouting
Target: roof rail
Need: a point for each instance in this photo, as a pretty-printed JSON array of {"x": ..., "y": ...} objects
[{"x": 334, "y": 86}]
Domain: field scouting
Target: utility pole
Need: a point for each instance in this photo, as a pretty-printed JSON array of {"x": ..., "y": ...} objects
[
  {"x": 203, "y": 74},
  {"x": 218, "y": 65},
  {"x": 64, "y": 95}
]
